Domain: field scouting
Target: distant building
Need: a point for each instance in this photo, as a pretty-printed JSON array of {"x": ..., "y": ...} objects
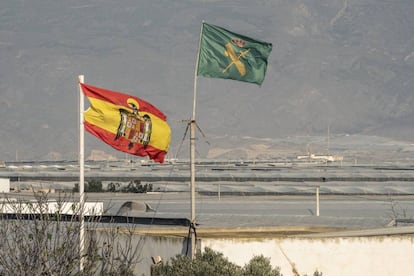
[{"x": 328, "y": 158}]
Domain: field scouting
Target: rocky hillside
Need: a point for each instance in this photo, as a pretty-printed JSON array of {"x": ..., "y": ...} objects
[{"x": 342, "y": 65}]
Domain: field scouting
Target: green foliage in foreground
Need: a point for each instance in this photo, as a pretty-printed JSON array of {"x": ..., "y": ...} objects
[
  {"x": 36, "y": 241},
  {"x": 211, "y": 262},
  {"x": 96, "y": 186},
  {"x": 214, "y": 263}
]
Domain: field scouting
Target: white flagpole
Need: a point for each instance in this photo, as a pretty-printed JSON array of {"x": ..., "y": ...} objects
[
  {"x": 192, "y": 153},
  {"x": 81, "y": 176}
]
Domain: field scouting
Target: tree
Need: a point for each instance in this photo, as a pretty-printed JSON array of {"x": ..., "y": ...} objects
[
  {"x": 136, "y": 187},
  {"x": 260, "y": 266},
  {"x": 94, "y": 186},
  {"x": 37, "y": 241},
  {"x": 112, "y": 187},
  {"x": 211, "y": 262}
]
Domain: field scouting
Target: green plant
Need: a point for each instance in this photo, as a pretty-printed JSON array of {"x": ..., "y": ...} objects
[
  {"x": 42, "y": 240},
  {"x": 136, "y": 187},
  {"x": 211, "y": 262},
  {"x": 112, "y": 187},
  {"x": 94, "y": 186},
  {"x": 260, "y": 266}
]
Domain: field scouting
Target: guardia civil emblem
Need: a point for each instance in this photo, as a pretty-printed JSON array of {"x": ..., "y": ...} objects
[{"x": 236, "y": 57}]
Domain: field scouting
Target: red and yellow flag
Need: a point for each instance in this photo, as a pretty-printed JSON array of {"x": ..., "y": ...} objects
[{"x": 127, "y": 123}]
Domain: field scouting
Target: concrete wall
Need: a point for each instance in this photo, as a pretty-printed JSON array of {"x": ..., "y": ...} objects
[
  {"x": 388, "y": 255},
  {"x": 379, "y": 256},
  {"x": 151, "y": 246}
]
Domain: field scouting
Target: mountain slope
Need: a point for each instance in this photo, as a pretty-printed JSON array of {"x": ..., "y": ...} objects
[{"x": 343, "y": 64}]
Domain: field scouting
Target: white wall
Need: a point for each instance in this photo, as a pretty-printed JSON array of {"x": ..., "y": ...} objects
[
  {"x": 4, "y": 185},
  {"x": 67, "y": 208},
  {"x": 332, "y": 256}
]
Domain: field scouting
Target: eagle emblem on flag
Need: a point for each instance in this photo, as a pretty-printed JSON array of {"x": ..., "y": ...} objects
[{"x": 134, "y": 127}]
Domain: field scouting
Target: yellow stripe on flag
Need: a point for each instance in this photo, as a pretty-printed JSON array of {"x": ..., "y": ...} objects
[{"x": 106, "y": 116}]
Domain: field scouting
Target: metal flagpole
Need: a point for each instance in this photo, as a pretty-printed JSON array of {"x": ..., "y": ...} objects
[
  {"x": 81, "y": 176},
  {"x": 192, "y": 154}
]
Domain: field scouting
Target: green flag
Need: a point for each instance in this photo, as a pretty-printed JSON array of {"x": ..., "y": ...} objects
[{"x": 227, "y": 55}]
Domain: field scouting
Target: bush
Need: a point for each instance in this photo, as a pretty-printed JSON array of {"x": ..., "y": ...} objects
[
  {"x": 260, "y": 266},
  {"x": 211, "y": 262},
  {"x": 94, "y": 186},
  {"x": 38, "y": 242},
  {"x": 112, "y": 187},
  {"x": 214, "y": 263},
  {"x": 136, "y": 187}
]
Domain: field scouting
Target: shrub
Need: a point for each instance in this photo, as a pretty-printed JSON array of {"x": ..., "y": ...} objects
[
  {"x": 260, "y": 266},
  {"x": 39, "y": 242},
  {"x": 213, "y": 263},
  {"x": 93, "y": 186},
  {"x": 136, "y": 187}
]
